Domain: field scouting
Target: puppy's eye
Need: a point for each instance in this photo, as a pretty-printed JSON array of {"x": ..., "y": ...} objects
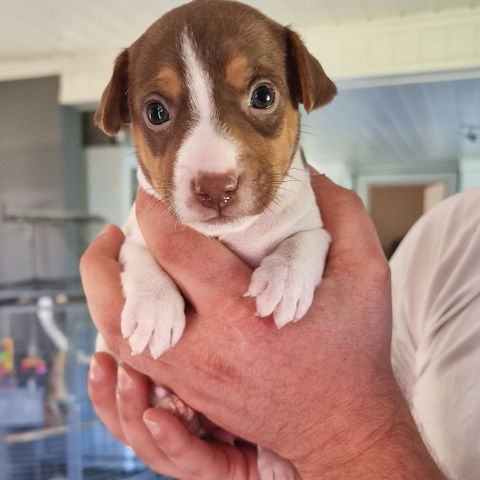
[
  {"x": 263, "y": 97},
  {"x": 157, "y": 114}
]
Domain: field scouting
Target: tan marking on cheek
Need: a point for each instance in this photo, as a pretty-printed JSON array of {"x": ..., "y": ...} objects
[
  {"x": 286, "y": 141},
  {"x": 169, "y": 82},
  {"x": 159, "y": 171},
  {"x": 265, "y": 161},
  {"x": 238, "y": 72}
]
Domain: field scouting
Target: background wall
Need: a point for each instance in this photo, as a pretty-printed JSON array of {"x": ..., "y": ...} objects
[{"x": 33, "y": 176}]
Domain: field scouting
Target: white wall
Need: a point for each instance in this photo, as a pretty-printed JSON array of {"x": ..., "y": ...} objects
[
  {"x": 109, "y": 170},
  {"x": 30, "y": 175},
  {"x": 469, "y": 173}
]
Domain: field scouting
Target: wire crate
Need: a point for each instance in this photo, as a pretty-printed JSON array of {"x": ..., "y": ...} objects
[{"x": 72, "y": 444}]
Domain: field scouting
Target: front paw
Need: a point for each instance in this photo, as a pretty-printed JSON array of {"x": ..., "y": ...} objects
[
  {"x": 280, "y": 290},
  {"x": 153, "y": 317}
]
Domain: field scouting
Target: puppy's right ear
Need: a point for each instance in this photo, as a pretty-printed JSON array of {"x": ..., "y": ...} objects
[{"x": 113, "y": 109}]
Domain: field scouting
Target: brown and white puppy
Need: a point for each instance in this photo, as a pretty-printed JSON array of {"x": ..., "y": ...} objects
[{"x": 211, "y": 91}]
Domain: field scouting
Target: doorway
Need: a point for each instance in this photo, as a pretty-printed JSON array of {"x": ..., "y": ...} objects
[
  {"x": 396, "y": 201},
  {"x": 395, "y": 208}
]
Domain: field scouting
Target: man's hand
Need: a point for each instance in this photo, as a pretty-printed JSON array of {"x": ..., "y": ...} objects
[
  {"x": 121, "y": 397},
  {"x": 321, "y": 392}
]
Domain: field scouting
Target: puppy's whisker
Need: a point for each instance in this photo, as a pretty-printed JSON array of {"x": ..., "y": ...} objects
[{"x": 273, "y": 198}]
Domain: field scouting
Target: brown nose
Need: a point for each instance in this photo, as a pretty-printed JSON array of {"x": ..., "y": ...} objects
[{"x": 214, "y": 190}]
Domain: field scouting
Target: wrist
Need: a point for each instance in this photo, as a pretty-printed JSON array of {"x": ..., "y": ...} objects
[{"x": 377, "y": 440}]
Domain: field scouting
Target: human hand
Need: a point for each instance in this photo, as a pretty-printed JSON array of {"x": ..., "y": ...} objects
[
  {"x": 121, "y": 397},
  {"x": 321, "y": 392}
]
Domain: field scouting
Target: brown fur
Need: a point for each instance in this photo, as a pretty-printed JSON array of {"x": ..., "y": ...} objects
[{"x": 239, "y": 47}]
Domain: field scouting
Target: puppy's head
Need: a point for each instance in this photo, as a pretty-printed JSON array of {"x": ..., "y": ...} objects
[{"x": 212, "y": 91}]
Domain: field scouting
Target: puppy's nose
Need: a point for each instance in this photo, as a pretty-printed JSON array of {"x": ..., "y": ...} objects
[{"x": 214, "y": 190}]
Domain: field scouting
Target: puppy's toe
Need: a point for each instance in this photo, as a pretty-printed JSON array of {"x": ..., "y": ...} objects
[
  {"x": 139, "y": 315},
  {"x": 167, "y": 330},
  {"x": 285, "y": 292},
  {"x": 273, "y": 467},
  {"x": 168, "y": 401},
  {"x": 154, "y": 320}
]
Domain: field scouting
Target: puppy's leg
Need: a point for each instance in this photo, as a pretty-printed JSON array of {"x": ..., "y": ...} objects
[
  {"x": 285, "y": 280},
  {"x": 153, "y": 314},
  {"x": 273, "y": 467}
]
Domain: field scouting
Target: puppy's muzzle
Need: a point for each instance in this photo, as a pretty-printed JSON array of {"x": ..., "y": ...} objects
[{"x": 215, "y": 191}]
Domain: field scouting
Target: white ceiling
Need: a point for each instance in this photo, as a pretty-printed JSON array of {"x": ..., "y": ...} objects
[
  {"x": 397, "y": 125},
  {"x": 50, "y": 27}
]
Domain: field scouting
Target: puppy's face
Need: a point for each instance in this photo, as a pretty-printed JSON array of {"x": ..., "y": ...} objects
[{"x": 211, "y": 91}]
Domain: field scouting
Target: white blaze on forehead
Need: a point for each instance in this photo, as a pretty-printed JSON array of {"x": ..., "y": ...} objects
[
  {"x": 207, "y": 146},
  {"x": 198, "y": 80}
]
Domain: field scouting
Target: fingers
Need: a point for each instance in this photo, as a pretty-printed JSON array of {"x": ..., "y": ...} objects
[
  {"x": 202, "y": 267},
  {"x": 162, "y": 441},
  {"x": 133, "y": 398},
  {"x": 353, "y": 233},
  {"x": 102, "y": 383},
  {"x": 100, "y": 272},
  {"x": 197, "y": 458}
]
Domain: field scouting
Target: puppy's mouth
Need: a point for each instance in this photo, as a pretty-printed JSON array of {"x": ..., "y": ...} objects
[
  {"x": 209, "y": 216},
  {"x": 220, "y": 218}
]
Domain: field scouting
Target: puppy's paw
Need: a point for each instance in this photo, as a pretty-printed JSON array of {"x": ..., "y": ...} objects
[
  {"x": 280, "y": 290},
  {"x": 153, "y": 316},
  {"x": 273, "y": 467},
  {"x": 166, "y": 400}
]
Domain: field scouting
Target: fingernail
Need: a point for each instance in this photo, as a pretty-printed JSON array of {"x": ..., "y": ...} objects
[
  {"x": 94, "y": 372},
  {"x": 124, "y": 382},
  {"x": 154, "y": 427}
]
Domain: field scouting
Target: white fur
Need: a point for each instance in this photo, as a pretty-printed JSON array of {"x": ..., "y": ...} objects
[
  {"x": 153, "y": 314},
  {"x": 207, "y": 147}
]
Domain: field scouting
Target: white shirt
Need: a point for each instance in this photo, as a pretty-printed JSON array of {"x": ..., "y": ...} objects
[{"x": 436, "y": 333}]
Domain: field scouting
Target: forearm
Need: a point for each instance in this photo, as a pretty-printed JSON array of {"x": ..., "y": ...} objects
[{"x": 393, "y": 450}]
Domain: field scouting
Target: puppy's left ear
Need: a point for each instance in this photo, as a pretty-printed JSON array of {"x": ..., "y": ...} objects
[
  {"x": 113, "y": 109},
  {"x": 311, "y": 85}
]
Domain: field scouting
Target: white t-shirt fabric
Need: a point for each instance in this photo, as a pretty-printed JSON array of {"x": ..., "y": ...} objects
[{"x": 436, "y": 330}]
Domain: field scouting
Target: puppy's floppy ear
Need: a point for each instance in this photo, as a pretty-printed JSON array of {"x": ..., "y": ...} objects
[
  {"x": 113, "y": 109},
  {"x": 311, "y": 85}
]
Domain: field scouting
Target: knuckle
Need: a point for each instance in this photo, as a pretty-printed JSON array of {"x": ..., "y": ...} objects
[
  {"x": 380, "y": 270},
  {"x": 347, "y": 201},
  {"x": 353, "y": 197},
  {"x": 84, "y": 263},
  {"x": 214, "y": 366},
  {"x": 377, "y": 272},
  {"x": 96, "y": 395},
  {"x": 127, "y": 408}
]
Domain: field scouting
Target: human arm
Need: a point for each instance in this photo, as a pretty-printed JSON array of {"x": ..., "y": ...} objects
[{"x": 321, "y": 392}]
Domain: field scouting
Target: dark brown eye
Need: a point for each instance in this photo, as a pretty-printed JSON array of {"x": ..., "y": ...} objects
[
  {"x": 263, "y": 97},
  {"x": 157, "y": 114}
]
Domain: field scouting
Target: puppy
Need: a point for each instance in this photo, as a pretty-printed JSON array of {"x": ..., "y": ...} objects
[{"x": 211, "y": 92}]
